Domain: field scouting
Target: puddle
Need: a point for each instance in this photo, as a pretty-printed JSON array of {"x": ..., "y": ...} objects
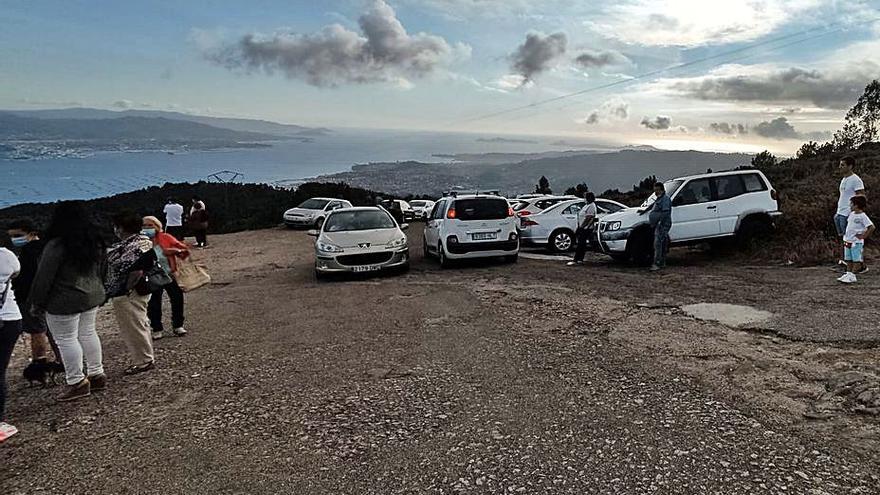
[{"x": 732, "y": 315}]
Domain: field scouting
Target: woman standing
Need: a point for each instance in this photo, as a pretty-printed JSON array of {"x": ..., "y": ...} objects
[
  {"x": 169, "y": 250},
  {"x": 198, "y": 223},
  {"x": 126, "y": 262},
  {"x": 68, "y": 289},
  {"x": 10, "y": 324}
]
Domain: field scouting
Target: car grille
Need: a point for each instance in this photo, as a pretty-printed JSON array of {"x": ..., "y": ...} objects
[{"x": 364, "y": 259}]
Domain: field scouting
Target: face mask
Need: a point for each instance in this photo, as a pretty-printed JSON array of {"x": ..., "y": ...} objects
[
  {"x": 151, "y": 233},
  {"x": 19, "y": 241}
]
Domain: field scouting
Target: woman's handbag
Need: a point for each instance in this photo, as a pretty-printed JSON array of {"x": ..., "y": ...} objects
[
  {"x": 154, "y": 279},
  {"x": 190, "y": 275}
]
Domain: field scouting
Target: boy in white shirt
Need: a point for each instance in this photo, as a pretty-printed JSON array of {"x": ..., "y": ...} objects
[{"x": 858, "y": 228}]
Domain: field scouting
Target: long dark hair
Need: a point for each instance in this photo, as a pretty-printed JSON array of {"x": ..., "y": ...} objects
[{"x": 73, "y": 227}]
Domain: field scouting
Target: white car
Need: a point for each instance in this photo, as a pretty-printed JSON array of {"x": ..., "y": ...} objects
[
  {"x": 471, "y": 226},
  {"x": 704, "y": 207},
  {"x": 421, "y": 208},
  {"x": 364, "y": 239},
  {"x": 555, "y": 227},
  {"x": 539, "y": 204},
  {"x": 312, "y": 212}
]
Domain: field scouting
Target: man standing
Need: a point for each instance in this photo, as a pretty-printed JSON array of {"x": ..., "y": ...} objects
[
  {"x": 174, "y": 219},
  {"x": 661, "y": 220},
  {"x": 850, "y": 185},
  {"x": 586, "y": 220}
]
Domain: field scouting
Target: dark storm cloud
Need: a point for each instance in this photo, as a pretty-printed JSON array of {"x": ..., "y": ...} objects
[
  {"x": 780, "y": 128},
  {"x": 834, "y": 90},
  {"x": 660, "y": 122},
  {"x": 383, "y": 51},
  {"x": 537, "y": 54},
  {"x": 592, "y": 59},
  {"x": 725, "y": 128}
]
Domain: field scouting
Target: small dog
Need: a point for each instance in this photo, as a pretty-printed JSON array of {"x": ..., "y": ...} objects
[{"x": 44, "y": 372}]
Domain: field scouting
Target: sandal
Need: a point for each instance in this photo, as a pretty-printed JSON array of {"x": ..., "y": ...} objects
[{"x": 134, "y": 370}]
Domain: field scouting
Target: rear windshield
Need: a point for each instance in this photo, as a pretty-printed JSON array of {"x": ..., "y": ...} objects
[
  {"x": 418, "y": 203},
  {"x": 313, "y": 204},
  {"x": 358, "y": 220},
  {"x": 481, "y": 209}
]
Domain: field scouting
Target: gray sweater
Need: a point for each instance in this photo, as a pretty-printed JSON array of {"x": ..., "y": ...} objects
[{"x": 60, "y": 288}]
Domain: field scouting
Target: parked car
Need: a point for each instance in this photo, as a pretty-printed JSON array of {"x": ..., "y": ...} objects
[
  {"x": 312, "y": 212},
  {"x": 356, "y": 240},
  {"x": 705, "y": 207},
  {"x": 539, "y": 204},
  {"x": 471, "y": 226},
  {"x": 555, "y": 227},
  {"x": 421, "y": 208}
]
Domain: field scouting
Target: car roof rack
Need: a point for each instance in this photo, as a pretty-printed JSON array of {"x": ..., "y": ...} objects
[{"x": 453, "y": 194}]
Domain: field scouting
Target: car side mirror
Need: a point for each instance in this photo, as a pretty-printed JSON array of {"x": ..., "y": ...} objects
[
  {"x": 404, "y": 226},
  {"x": 312, "y": 232}
]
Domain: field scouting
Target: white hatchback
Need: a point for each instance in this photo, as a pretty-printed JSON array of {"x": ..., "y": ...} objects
[
  {"x": 312, "y": 212},
  {"x": 555, "y": 227},
  {"x": 471, "y": 226}
]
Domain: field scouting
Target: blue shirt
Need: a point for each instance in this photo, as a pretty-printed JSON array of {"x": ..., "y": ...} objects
[{"x": 661, "y": 211}]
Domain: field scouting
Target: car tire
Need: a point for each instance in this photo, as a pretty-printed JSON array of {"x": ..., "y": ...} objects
[
  {"x": 620, "y": 258},
  {"x": 441, "y": 255},
  {"x": 425, "y": 252},
  {"x": 513, "y": 258},
  {"x": 403, "y": 269},
  {"x": 640, "y": 247},
  {"x": 561, "y": 241},
  {"x": 753, "y": 229},
  {"x": 320, "y": 276}
]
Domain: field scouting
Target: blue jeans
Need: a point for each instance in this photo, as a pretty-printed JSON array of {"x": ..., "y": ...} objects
[
  {"x": 661, "y": 243},
  {"x": 840, "y": 223}
]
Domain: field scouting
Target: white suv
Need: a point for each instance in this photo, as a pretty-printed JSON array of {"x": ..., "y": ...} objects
[
  {"x": 312, "y": 212},
  {"x": 471, "y": 226},
  {"x": 704, "y": 207}
]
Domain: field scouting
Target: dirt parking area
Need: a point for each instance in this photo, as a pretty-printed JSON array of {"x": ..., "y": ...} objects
[{"x": 486, "y": 378}]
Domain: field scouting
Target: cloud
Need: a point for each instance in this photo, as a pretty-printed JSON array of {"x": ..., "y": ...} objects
[
  {"x": 126, "y": 104},
  {"x": 729, "y": 129},
  {"x": 660, "y": 122},
  {"x": 537, "y": 54},
  {"x": 830, "y": 88},
  {"x": 594, "y": 59},
  {"x": 613, "y": 109},
  {"x": 779, "y": 128},
  {"x": 382, "y": 52},
  {"x": 506, "y": 140}
]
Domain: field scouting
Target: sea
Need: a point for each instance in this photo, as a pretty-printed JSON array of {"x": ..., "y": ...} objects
[{"x": 285, "y": 163}]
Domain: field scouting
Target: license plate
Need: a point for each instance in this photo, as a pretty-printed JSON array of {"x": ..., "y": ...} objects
[
  {"x": 367, "y": 268},
  {"x": 483, "y": 236}
]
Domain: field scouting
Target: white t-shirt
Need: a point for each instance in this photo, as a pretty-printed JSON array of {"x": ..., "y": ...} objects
[
  {"x": 9, "y": 266},
  {"x": 856, "y": 223},
  {"x": 848, "y": 187},
  {"x": 173, "y": 215},
  {"x": 587, "y": 210}
]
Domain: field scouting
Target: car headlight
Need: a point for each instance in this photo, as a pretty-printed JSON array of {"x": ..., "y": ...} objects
[
  {"x": 610, "y": 226},
  {"x": 325, "y": 247},
  {"x": 397, "y": 243}
]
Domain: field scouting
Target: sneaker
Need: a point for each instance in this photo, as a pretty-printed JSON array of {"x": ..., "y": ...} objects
[
  {"x": 73, "y": 392},
  {"x": 841, "y": 262},
  {"x": 848, "y": 278},
  {"x": 97, "y": 382},
  {"x": 574, "y": 263},
  {"x": 158, "y": 335},
  {"x": 864, "y": 269},
  {"x": 179, "y": 332},
  {"x": 6, "y": 431},
  {"x": 654, "y": 268}
]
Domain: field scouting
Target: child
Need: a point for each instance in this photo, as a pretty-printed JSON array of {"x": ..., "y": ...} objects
[{"x": 858, "y": 228}]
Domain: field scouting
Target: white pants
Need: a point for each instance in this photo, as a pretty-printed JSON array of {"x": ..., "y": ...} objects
[{"x": 77, "y": 338}]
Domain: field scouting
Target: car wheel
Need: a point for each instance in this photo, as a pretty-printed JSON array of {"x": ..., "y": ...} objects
[
  {"x": 441, "y": 255},
  {"x": 640, "y": 247},
  {"x": 620, "y": 258},
  {"x": 561, "y": 241},
  {"x": 425, "y": 253},
  {"x": 513, "y": 258},
  {"x": 753, "y": 229},
  {"x": 319, "y": 275}
]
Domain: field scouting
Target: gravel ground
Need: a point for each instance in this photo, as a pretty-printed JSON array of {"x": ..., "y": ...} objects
[{"x": 488, "y": 378}]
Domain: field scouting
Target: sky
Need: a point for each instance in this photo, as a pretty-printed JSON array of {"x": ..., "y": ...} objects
[{"x": 678, "y": 74}]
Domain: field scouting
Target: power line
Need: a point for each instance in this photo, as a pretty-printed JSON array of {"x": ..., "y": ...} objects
[{"x": 680, "y": 66}]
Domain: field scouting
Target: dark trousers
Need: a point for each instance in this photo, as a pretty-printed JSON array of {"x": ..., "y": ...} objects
[
  {"x": 9, "y": 332},
  {"x": 201, "y": 236},
  {"x": 154, "y": 307},
  {"x": 583, "y": 238},
  {"x": 661, "y": 243},
  {"x": 176, "y": 232}
]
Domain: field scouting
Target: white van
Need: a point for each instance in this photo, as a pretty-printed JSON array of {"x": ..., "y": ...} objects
[{"x": 471, "y": 226}]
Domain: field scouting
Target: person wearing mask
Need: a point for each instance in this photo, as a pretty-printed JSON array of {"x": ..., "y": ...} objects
[
  {"x": 168, "y": 251},
  {"x": 127, "y": 260},
  {"x": 586, "y": 220},
  {"x": 174, "y": 219},
  {"x": 67, "y": 289},
  {"x": 198, "y": 224},
  {"x": 10, "y": 324},
  {"x": 27, "y": 243},
  {"x": 660, "y": 219}
]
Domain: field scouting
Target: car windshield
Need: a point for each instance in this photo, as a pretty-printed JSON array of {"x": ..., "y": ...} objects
[
  {"x": 418, "y": 204},
  {"x": 313, "y": 204},
  {"x": 520, "y": 205},
  {"x": 358, "y": 220},
  {"x": 670, "y": 186},
  {"x": 481, "y": 209}
]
